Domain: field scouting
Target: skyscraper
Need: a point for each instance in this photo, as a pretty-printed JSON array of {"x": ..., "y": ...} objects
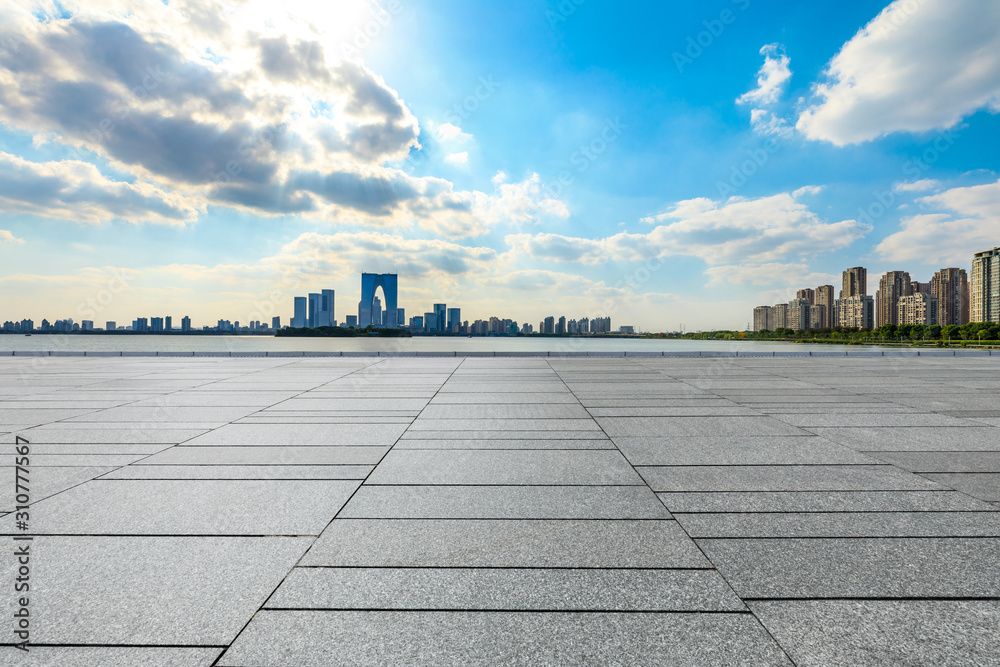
[
  {"x": 855, "y": 282},
  {"x": 276, "y": 322},
  {"x": 299, "y": 312},
  {"x": 430, "y": 322},
  {"x": 893, "y": 286},
  {"x": 762, "y": 318},
  {"x": 917, "y": 308},
  {"x": 325, "y": 317},
  {"x": 797, "y": 315},
  {"x": 312, "y": 314},
  {"x": 441, "y": 317},
  {"x": 168, "y": 323},
  {"x": 984, "y": 290},
  {"x": 825, "y": 299},
  {"x": 561, "y": 325},
  {"x": 549, "y": 325},
  {"x": 377, "y": 312},
  {"x": 951, "y": 287},
  {"x": 185, "y": 323},
  {"x": 454, "y": 319},
  {"x": 856, "y": 312}
]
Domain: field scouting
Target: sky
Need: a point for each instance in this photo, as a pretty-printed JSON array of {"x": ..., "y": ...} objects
[{"x": 663, "y": 163}]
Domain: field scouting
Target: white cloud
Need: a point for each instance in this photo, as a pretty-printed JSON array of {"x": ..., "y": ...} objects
[
  {"x": 966, "y": 221},
  {"x": 7, "y": 237},
  {"x": 771, "y": 78},
  {"x": 917, "y": 186},
  {"x": 457, "y": 158},
  {"x": 77, "y": 191},
  {"x": 449, "y": 133},
  {"x": 794, "y": 275},
  {"x": 919, "y": 65},
  {"x": 767, "y": 122}
]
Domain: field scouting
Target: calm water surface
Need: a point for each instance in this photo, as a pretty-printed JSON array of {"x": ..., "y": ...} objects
[{"x": 141, "y": 343}]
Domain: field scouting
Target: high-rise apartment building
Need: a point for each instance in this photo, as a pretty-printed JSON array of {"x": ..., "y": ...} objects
[
  {"x": 893, "y": 286},
  {"x": 110, "y": 325},
  {"x": 779, "y": 316},
  {"x": 762, "y": 318},
  {"x": 185, "y": 323},
  {"x": 817, "y": 317},
  {"x": 984, "y": 288},
  {"x": 561, "y": 325},
  {"x": 299, "y": 312},
  {"x": 275, "y": 322},
  {"x": 917, "y": 287},
  {"x": 807, "y": 294},
  {"x": 156, "y": 324},
  {"x": 855, "y": 282},
  {"x": 797, "y": 316},
  {"x": 549, "y": 325},
  {"x": 857, "y": 312},
  {"x": 951, "y": 288},
  {"x": 168, "y": 323},
  {"x": 825, "y": 299},
  {"x": 917, "y": 308}
]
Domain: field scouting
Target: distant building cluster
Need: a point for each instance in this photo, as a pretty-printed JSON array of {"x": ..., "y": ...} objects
[{"x": 948, "y": 298}]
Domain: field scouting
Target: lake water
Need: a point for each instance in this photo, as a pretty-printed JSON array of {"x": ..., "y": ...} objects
[{"x": 141, "y": 343}]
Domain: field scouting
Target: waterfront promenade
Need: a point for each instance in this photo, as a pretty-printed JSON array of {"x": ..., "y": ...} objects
[{"x": 505, "y": 510}]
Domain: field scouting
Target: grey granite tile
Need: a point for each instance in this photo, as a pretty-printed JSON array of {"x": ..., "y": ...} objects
[
  {"x": 45, "y": 482},
  {"x": 823, "y": 501},
  {"x": 922, "y": 462},
  {"x": 985, "y": 486},
  {"x": 505, "y": 425},
  {"x": 784, "y": 478},
  {"x": 696, "y": 426},
  {"x": 503, "y": 543},
  {"x": 243, "y": 471},
  {"x": 60, "y": 434},
  {"x": 915, "y": 439},
  {"x": 190, "y": 507},
  {"x": 536, "y": 398},
  {"x": 504, "y": 502},
  {"x": 752, "y": 450},
  {"x": 505, "y": 411},
  {"x": 268, "y": 455},
  {"x": 854, "y": 420},
  {"x": 843, "y": 524},
  {"x": 305, "y": 434},
  {"x": 491, "y": 638},
  {"x": 504, "y": 589},
  {"x": 875, "y": 633},
  {"x": 111, "y": 656},
  {"x": 861, "y": 567},
  {"x": 474, "y": 466},
  {"x": 321, "y": 402},
  {"x": 152, "y": 590},
  {"x": 674, "y": 411},
  {"x": 499, "y": 443},
  {"x": 413, "y": 434}
]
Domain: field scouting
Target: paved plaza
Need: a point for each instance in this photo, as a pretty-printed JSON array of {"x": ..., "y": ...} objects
[{"x": 520, "y": 510}]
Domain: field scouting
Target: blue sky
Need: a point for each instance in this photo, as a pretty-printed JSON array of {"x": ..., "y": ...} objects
[{"x": 658, "y": 162}]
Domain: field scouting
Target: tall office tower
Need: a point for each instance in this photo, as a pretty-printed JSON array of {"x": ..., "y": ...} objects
[
  {"x": 762, "y": 318},
  {"x": 779, "y": 316},
  {"x": 324, "y": 316},
  {"x": 541, "y": 327},
  {"x": 549, "y": 325},
  {"x": 299, "y": 312},
  {"x": 893, "y": 286},
  {"x": 824, "y": 298},
  {"x": 797, "y": 316},
  {"x": 168, "y": 323},
  {"x": 110, "y": 325},
  {"x": 984, "y": 290},
  {"x": 312, "y": 314},
  {"x": 857, "y": 312},
  {"x": 352, "y": 321},
  {"x": 817, "y": 317},
  {"x": 561, "y": 325},
  {"x": 417, "y": 322},
  {"x": 855, "y": 282},
  {"x": 430, "y": 322},
  {"x": 276, "y": 322},
  {"x": 454, "y": 319},
  {"x": 917, "y": 308},
  {"x": 951, "y": 288},
  {"x": 185, "y": 323},
  {"x": 400, "y": 317},
  {"x": 441, "y": 316},
  {"x": 807, "y": 294},
  {"x": 377, "y": 312}
]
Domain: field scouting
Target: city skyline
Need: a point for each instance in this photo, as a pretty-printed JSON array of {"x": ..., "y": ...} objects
[{"x": 665, "y": 164}]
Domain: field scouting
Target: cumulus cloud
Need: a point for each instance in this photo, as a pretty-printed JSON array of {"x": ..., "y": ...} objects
[
  {"x": 74, "y": 190},
  {"x": 457, "y": 158},
  {"x": 771, "y": 273},
  {"x": 922, "y": 185},
  {"x": 917, "y": 66},
  {"x": 771, "y": 78},
  {"x": 964, "y": 221},
  {"x": 244, "y": 105}
]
